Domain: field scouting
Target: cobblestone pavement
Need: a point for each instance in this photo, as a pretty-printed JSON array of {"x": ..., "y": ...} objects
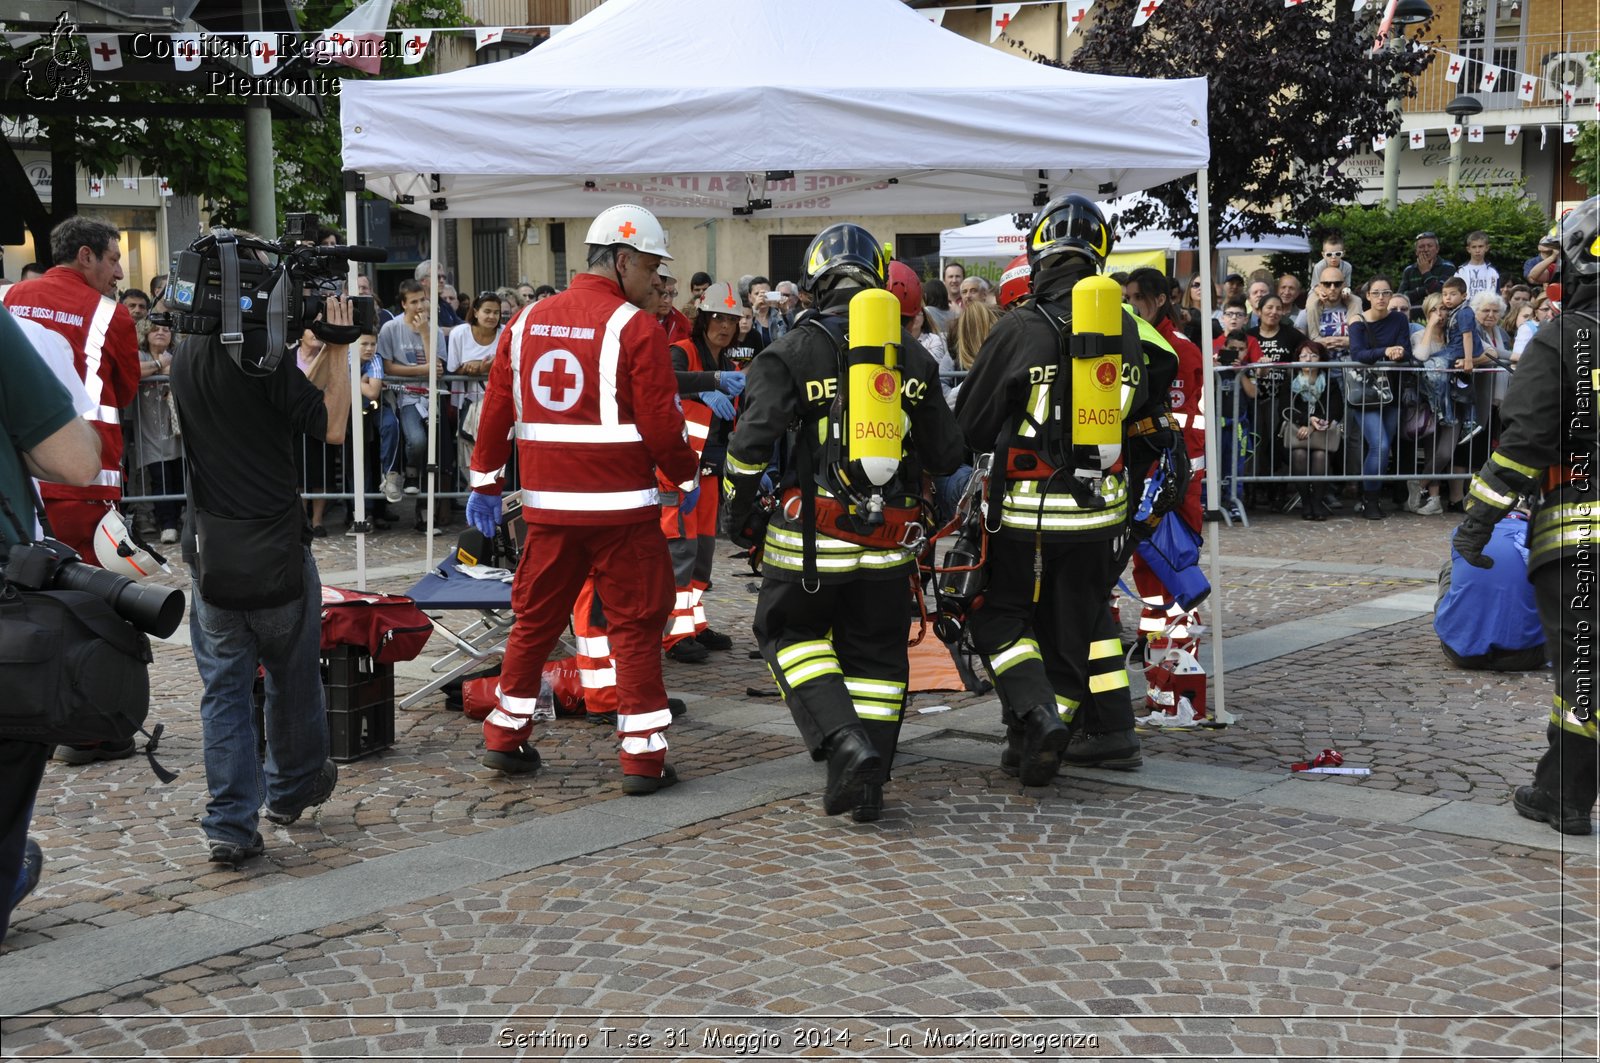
[{"x": 1119, "y": 919}]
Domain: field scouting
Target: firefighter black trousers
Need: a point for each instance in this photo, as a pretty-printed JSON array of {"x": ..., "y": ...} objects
[
  {"x": 1065, "y": 649},
  {"x": 839, "y": 656},
  {"x": 1570, "y": 767}
]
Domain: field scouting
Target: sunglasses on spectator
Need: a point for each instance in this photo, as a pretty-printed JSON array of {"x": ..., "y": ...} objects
[
  {"x": 1379, "y": 293},
  {"x": 1329, "y": 284},
  {"x": 1333, "y": 254}
]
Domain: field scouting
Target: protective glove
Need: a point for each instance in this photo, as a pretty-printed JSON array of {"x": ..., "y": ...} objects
[
  {"x": 720, "y": 404},
  {"x": 483, "y": 512},
  {"x": 731, "y": 384},
  {"x": 767, "y": 486},
  {"x": 1470, "y": 539},
  {"x": 689, "y": 501}
]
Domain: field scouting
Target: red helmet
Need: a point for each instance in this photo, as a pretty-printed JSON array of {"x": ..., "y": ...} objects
[
  {"x": 1016, "y": 280},
  {"x": 906, "y": 286}
]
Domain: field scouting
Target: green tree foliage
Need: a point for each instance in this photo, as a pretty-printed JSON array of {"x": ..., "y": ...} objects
[
  {"x": 205, "y": 157},
  {"x": 1586, "y": 152},
  {"x": 1384, "y": 241},
  {"x": 1293, "y": 93}
]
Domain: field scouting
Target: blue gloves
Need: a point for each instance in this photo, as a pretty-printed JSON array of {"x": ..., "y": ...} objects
[
  {"x": 720, "y": 404},
  {"x": 690, "y": 500},
  {"x": 731, "y": 384},
  {"x": 483, "y": 512}
]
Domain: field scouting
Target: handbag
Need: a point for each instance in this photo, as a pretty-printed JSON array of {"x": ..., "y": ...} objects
[
  {"x": 249, "y": 563},
  {"x": 1329, "y": 438},
  {"x": 1417, "y": 421},
  {"x": 1367, "y": 387}
]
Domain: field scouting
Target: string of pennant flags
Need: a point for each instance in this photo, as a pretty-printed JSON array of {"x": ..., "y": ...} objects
[{"x": 97, "y": 185}]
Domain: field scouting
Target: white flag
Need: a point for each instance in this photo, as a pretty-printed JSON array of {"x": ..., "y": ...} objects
[
  {"x": 1000, "y": 17},
  {"x": 415, "y": 45},
  {"x": 105, "y": 51},
  {"x": 97, "y": 188},
  {"x": 1491, "y": 76},
  {"x": 1142, "y": 13},
  {"x": 131, "y": 183},
  {"x": 1077, "y": 11},
  {"x": 1455, "y": 133},
  {"x": 185, "y": 51},
  {"x": 936, "y": 16},
  {"x": 1293, "y": 3},
  {"x": 357, "y": 39},
  {"x": 1474, "y": 134},
  {"x": 1569, "y": 132},
  {"x": 1358, "y": 5},
  {"x": 489, "y": 35},
  {"x": 263, "y": 52},
  {"x": 1452, "y": 72},
  {"x": 1380, "y": 142},
  {"x": 1512, "y": 133},
  {"x": 1525, "y": 86},
  {"x": 163, "y": 186}
]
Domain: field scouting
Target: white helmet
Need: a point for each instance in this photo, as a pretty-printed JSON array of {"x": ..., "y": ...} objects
[
  {"x": 627, "y": 223},
  {"x": 119, "y": 551},
  {"x": 720, "y": 299}
]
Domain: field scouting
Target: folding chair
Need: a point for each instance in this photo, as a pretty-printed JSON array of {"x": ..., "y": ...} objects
[{"x": 447, "y": 589}]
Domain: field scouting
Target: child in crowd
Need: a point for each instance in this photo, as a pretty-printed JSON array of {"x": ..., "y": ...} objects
[{"x": 1477, "y": 273}]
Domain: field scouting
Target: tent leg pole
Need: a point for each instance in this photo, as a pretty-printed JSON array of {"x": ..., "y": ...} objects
[
  {"x": 1220, "y": 712},
  {"x": 356, "y": 475},
  {"x": 434, "y": 228}
]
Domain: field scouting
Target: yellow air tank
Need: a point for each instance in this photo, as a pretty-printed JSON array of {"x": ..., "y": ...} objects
[
  {"x": 873, "y": 436},
  {"x": 1096, "y": 362}
]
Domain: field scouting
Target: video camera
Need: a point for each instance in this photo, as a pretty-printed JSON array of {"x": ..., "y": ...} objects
[
  {"x": 226, "y": 283},
  {"x": 52, "y": 565}
]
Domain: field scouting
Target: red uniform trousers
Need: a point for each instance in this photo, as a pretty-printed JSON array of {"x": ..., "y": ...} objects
[
  {"x": 596, "y": 668},
  {"x": 632, "y": 574},
  {"x": 692, "y": 543},
  {"x": 74, "y": 520}
]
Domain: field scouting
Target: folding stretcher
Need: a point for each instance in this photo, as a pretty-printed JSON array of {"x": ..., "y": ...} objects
[{"x": 445, "y": 589}]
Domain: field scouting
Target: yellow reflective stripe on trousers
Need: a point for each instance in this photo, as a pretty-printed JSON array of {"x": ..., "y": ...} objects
[
  {"x": 1105, "y": 648},
  {"x": 1024, "y": 649},
  {"x": 1066, "y": 708},
  {"x": 805, "y": 661},
  {"x": 1562, "y": 716},
  {"x": 876, "y": 699},
  {"x": 1099, "y": 684}
]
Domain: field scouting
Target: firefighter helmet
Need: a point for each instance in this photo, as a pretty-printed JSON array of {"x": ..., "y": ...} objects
[
  {"x": 843, "y": 252},
  {"x": 1069, "y": 224},
  {"x": 1016, "y": 279},
  {"x": 1580, "y": 240},
  {"x": 720, "y": 298},
  {"x": 629, "y": 224},
  {"x": 119, "y": 551},
  {"x": 906, "y": 286}
]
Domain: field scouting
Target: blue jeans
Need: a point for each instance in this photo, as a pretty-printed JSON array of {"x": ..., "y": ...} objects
[
  {"x": 228, "y": 645},
  {"x": 388, "y": 441},
  {"x": 414, "y": 427},
  {"x": 1378, "y": 427}
]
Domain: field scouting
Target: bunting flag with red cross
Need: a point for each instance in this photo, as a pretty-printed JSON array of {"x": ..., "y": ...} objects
[
  {"x": 1454, "y": 65},
  {"x": 1513, "y": 133},
  {"x": 263, "y": 53},
  {"x": 1380, "y": 142},
  {"x": 357, "y": 39},
  {"x": 1455, "y": 133},
  {"x": 488, "y": 35},
  {"x": 97, "y": 188},
  {"x": 1000, "y": 17},
  {"x": 1490, "y": 78},
  {"x": 1077, "y": 10},
  {"x": 105, "y": 51},
  {"x": 163, "y": 186},
  {"x": 413, "y": 45},
  {"x": 185, "y": 51},
  {"x": 1569, "y": 132},
  {"x": 1419, "y": 139},
  {"x": 1525, "y": 86},
  {"x": 1142, "y": 13},
  {"x": 1474, "y": 134}
]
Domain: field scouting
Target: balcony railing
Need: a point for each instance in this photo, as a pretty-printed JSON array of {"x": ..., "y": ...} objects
[{"x": 1544, "y": 57}]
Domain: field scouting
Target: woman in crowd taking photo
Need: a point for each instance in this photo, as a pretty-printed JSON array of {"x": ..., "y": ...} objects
[{"x": 1437, "y": 388}]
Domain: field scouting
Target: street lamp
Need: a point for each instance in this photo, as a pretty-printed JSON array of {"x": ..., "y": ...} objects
[
  {"x": 1461, "y": 108},
  {"x": 1406, "y": 13}
]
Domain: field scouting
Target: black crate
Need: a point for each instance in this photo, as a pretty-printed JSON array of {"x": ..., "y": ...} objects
[{"x": 359, "y": 693}]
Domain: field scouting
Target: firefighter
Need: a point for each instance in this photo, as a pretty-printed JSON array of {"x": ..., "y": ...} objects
[
  {"x": 838, "y": 560},
  {"x": 584, "y": 381},
  {"x": 1058, "y": 511},
  {"x": 1549, "y": 451},
  {"x": 708, "y": 384}
]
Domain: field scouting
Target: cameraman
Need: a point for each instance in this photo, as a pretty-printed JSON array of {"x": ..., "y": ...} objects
[
  {"x": 257, "y": 598},
  {"x": 44, "y": 436}
]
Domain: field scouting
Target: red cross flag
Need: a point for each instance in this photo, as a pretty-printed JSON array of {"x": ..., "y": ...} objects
[
  {"x": 1453, "y": 67},
  {"x": 1455, "y": 133},
  {"x": 414, "y": 44},
  {"x": 105, "y": 53},
  {"x": 1474, "y": 134},
  {"x": 1419, "y": 139},
  {"x": 263, "y": 53},
  {"x": 1569, "y": 132},
  {"x": 1512, "y": 133},
  {"x": 1077, "y": 10},
  {"x": 131, "y": 183},
  {"x": 185, "y": 51},
  {"x": 1142, "y": 13},
  {"x": 163, "y": 186},
  {"x": 1491, "y": 76},
  {"x": 936, "y": 16},
  {"x": 97, "y": 188},
  {"x": 357, "y": 39},
  {"x": 488, "y": 35},
  {"x": 1380, "y": 142},
  {"x": 1000, "y": 17},
  {"x": 1525, "y": 86}
]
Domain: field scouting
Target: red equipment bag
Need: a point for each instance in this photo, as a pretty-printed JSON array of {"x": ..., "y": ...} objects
[
  {"x": 389, "y": 627},
  {"x": 480, "y": 696}
]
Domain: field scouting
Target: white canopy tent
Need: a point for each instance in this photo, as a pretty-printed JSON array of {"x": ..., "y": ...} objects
[
  {"x": 998, "y": 237},
  {"x": 786, "y": 108}
]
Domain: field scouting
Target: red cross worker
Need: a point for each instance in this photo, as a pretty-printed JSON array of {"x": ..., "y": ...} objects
[{"x": 583, "y": 383}]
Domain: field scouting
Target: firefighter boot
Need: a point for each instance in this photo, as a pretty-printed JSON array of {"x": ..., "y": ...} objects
[
  {"x": 1118, "y": 750},
  {"x": 1038, "y": 736},
  {"x": 1563, "y": 784},
  {"x": 853, "y": 765}
]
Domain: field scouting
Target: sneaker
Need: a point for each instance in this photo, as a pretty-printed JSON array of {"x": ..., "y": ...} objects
[
  {"x": 714, "y": 640},
  {"x": 169, "y": 536},
  {"x": 411, "y": 486},
  {"x": 1535, "y": 804},
  {"x": 644, "y": 785},
  {"x": 391, "y": 487},
  {"x": 327, "y": 779},
  {"x": 1431, "y": 508},
  {"x": 1331, "y": 501},
  {"x": 32, "y": 868},
  {"x": 1413, "y": 496},
  {"x": 1118, "y": 750},
  {"x": 520, "y": 761},
  {"x": 234, "y": 854},
  {"x": 98, "y": 751},
  {"x": 688, "y": 651}
]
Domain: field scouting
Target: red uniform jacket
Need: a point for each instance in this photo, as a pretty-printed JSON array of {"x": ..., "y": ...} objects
[
  {"x": 1186, "y": 395},
  {"x": 676, "y": 325},
  {"x": 105, "y": 350},
  {"x": 583, "y": 382}
]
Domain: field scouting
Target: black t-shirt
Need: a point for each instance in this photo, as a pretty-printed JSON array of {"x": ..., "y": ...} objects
[
  {"x": 1284, "y": 347},
  {"x": 240, "y": 431}
]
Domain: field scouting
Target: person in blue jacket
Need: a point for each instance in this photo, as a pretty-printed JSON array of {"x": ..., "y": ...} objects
[{"x": 1486, "y": 618}]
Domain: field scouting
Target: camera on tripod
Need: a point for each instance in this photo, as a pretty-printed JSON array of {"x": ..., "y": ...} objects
[
  {"x": 259, "y": 295},
  {"x": 52, "y": 565}
]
